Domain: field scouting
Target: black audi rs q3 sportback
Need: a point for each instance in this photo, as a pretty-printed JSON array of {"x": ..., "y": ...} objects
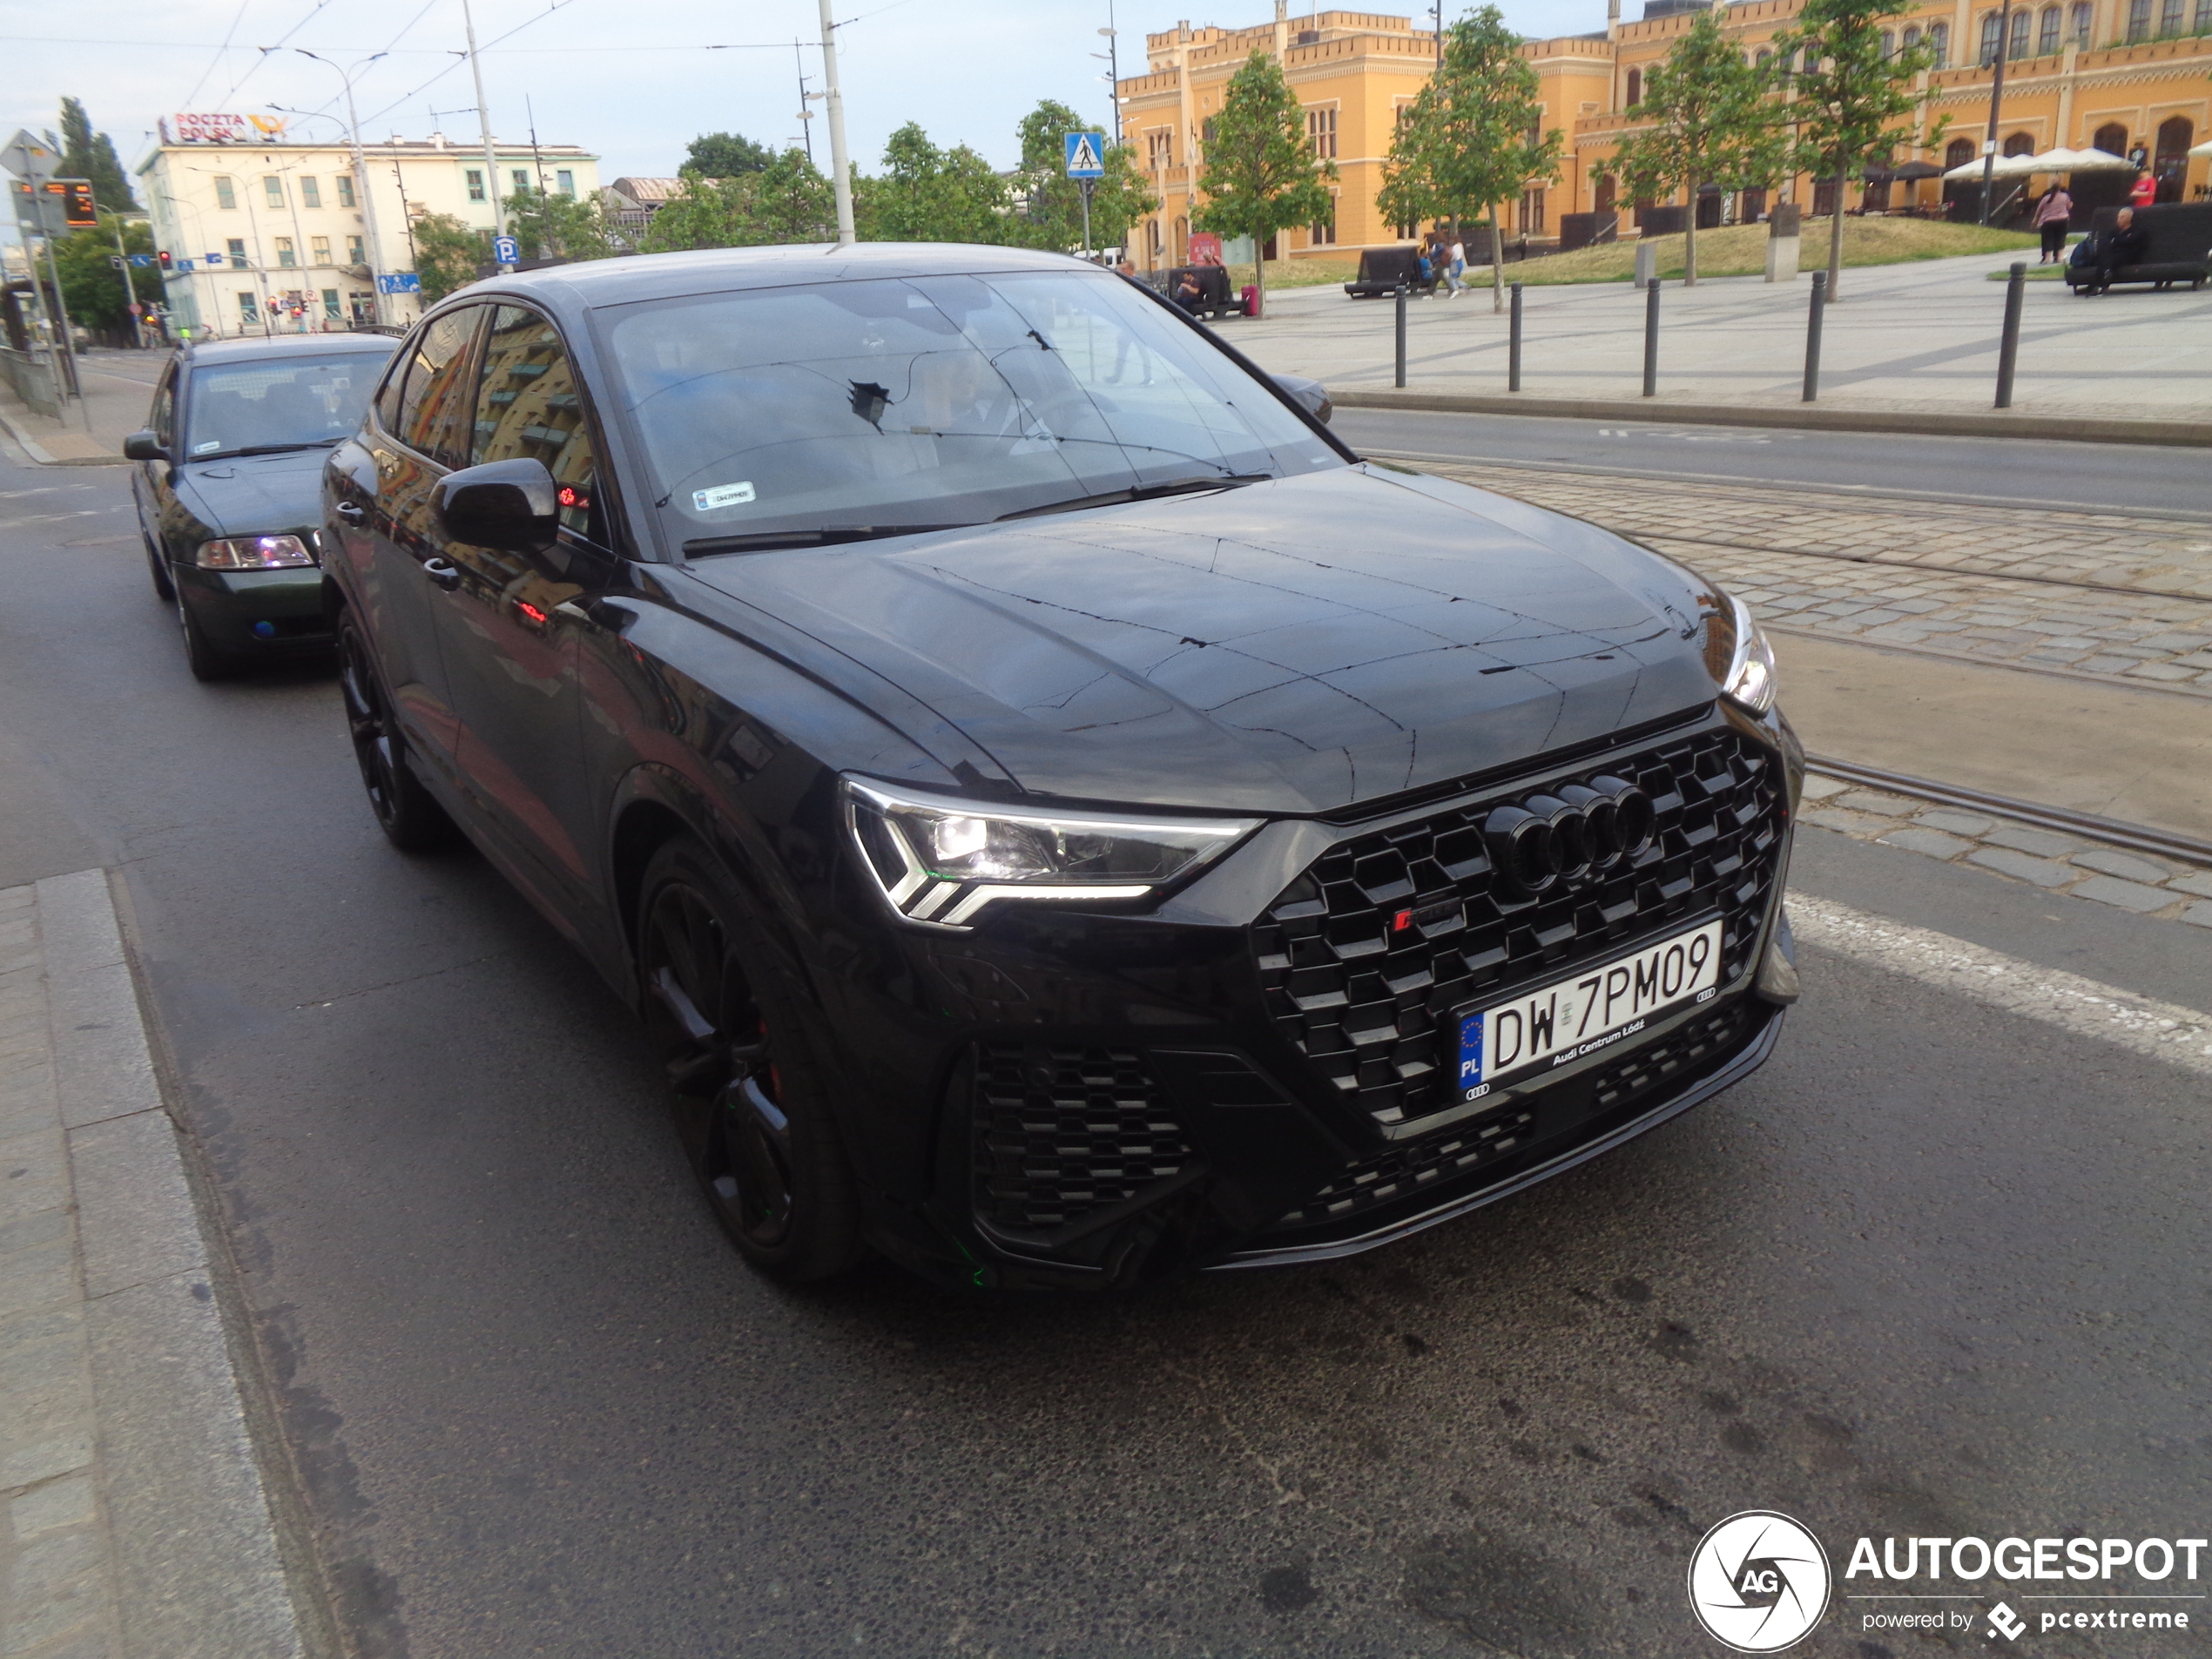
[{"x": 1065, "y": 816}]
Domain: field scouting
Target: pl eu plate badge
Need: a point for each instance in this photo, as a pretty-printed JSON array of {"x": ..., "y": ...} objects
[{"x": 1471, "y": 1084}]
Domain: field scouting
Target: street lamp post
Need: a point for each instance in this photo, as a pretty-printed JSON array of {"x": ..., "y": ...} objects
[
  {"x": 361, "y": 175},
  {"x": 484, "y": 122},
  {"x": 1996, "y": 96}
]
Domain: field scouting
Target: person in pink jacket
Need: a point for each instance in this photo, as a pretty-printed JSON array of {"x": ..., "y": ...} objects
[{"x": 2054, "y": 213}]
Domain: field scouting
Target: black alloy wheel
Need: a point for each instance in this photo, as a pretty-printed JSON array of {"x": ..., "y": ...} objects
[
  {"x": 207, "y": 660},
  {"x": 164, "y": 589},
  {"x": 750, "y": 1106},
  {"x": 408, "y": 814}
]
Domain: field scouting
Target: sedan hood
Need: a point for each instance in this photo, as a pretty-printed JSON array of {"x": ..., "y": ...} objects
[
  {"x": 1297, "y": 645},
  {"x": 255, "y": 494}
]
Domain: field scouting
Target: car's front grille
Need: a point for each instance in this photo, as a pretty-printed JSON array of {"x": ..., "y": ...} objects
[
  {"x": 1433, "y": 1163},
  {"x": 1364, "y": 957},
  {"x": 1062, "y": 1131}
]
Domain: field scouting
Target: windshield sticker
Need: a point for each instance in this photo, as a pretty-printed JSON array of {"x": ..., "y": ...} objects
[
  {"x": 706, "y": 501},
  {"x": 203, "y": 447}
]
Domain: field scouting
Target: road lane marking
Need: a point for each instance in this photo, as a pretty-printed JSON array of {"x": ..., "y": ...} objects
[{"x": 2086, "y": 1007}]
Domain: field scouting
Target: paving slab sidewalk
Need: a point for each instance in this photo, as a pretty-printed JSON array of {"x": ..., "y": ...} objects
[
  {"x": 137, "y": 1524},
  {"x": 116, "y": 402}
]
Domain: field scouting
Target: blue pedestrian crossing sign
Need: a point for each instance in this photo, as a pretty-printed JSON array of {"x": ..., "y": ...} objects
[
  {"x": 505, "y": 250},
  {"x": 1086, "y": 155}
]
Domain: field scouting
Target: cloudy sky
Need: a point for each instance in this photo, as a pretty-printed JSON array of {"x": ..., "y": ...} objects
[{"x": 633, "y": 83}]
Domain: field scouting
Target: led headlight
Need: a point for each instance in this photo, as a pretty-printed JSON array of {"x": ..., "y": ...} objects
[
  {"x": 1738, "y": 655},
  {"x": 938, "y": 861},
  {"x": 254, "y": 553}
]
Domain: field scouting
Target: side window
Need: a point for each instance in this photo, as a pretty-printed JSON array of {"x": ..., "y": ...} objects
[
  {"x": 429, "y": 400},
  {"x": 529, "y": 406},
  {"x": 163, "y": 418}
]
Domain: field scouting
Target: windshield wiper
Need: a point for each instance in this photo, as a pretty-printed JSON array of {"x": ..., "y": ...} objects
[
  {"x": 1141, "y": 492},
  {"x": 830, "y": 536},
  {"x": 269, "y": 448}
]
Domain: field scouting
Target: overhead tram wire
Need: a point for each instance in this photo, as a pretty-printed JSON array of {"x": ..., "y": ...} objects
[
  {"x": 228, "y": 37},
  {"x": 314, "y": 11}
]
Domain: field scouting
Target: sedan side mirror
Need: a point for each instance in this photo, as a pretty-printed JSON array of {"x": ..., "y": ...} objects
[
  {"x": 144, "y": 446},
  {"x": 1309, "y": 395},
  {"x": 510, "y": 505}
]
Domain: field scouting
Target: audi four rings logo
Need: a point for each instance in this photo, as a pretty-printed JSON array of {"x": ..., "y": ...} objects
[
  {"x": 1758, "y": 1582},
  {"x": 1576, "y": 829}
]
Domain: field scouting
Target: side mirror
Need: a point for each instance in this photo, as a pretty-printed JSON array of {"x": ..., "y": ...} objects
[
  {"x": 1309, "y": 395},
  {"x": 144, "y": 446},
  {"x": 509, "y": 505}
]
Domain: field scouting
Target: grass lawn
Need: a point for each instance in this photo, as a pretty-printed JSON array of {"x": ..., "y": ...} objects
[{"x": 1734, "y": 250}]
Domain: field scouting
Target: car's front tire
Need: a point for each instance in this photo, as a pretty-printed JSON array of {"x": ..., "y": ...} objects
[
  {"x": 207, "y": 660},
  {"x": 739, "y": 1035},
  {"x": 408, "y": 814}
]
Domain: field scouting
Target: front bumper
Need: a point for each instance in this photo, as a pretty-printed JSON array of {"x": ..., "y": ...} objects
[
  {"x": 250, "y": 612},
  {"x": 1065, "y": 1099}
]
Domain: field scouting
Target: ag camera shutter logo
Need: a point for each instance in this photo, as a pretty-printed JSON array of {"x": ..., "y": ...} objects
[{"x": 1758, "y": 1582}]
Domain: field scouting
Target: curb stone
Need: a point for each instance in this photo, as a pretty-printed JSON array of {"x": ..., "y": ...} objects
[{"x": 137, "y": 1524}]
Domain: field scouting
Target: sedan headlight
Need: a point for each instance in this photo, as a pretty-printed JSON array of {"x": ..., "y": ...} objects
[
  {"x": 1738, "y": 655},
  {"x": 938, "y": 861},
  {"x": 254, "y": 553}
]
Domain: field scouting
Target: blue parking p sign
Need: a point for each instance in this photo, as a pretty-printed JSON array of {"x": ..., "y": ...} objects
[
  {"x": 1086, "y": 155},
  {"x": 505, "y": 250}
]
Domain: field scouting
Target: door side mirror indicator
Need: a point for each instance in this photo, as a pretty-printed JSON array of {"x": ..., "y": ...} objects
[
  {"x": 144, "y": 446},
  {"x": 511, "y": 506}
]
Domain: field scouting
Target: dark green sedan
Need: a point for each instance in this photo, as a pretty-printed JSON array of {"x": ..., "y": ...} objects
[{"x": 227, "y": 489}]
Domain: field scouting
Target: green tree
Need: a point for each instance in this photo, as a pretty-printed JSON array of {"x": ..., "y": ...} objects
[
  {"x": 447, "y": 255},
  {"x": 1710, "y": 122},
  {"x": 87, "y": 154},
  {"x": 1473, "y": 140},
  {"x": 1056, "y": 210},
  {"x": 1850, "y": 100},
  {"x": 551, "y": 227},
  {"x": 724, "y": 155},
  {"x": 786, "y": 201},
  {"x": 1261, "y": 175},
  {"x": 925, "y": 194},
  {"x": 92, "y": 288}
]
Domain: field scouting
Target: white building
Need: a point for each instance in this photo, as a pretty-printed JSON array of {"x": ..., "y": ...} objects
[{"x": 262, "y": 231}]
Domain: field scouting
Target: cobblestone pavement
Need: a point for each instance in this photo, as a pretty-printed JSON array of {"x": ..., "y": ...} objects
[
  {"x": 2068, "y": 864},
  {"x": 2104, "y": 595}
]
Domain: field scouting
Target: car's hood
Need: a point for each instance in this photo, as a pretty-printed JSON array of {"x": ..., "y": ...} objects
[
  {"x": 255, "y": 494},
  {"x": 1292, "y": 646}
]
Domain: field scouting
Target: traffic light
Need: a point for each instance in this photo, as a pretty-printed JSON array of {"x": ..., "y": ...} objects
[
  {"x": 163, "y": 257},
  {"x": 115, "y": 260}
]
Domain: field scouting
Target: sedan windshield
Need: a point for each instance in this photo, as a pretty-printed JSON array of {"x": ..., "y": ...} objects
[
  {"x": 278, "y": 403},
  {"x": 927, "y": 401}
]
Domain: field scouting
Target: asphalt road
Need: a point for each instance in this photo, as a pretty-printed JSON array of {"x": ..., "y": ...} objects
[
  {"x": 1936, "y": 1269},
  {"x": 2006, "y": 472}
]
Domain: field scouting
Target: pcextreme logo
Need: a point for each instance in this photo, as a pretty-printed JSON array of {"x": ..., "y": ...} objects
[{"x": 1758, "y": 1582}]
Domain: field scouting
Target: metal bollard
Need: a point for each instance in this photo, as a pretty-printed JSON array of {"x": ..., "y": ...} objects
[
  {"x": 1651, "y": 339},
  {"x": 2008, "y": 354},
  {"x": 1813, "y": 334},
  {"x": 1513, "y": 345},
  {"x": 1401, "y": 334}
]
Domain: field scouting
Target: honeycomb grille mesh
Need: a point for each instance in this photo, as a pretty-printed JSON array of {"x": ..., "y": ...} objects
[
  {"x": 1370, "y": 1004},
  {"x": 1060, "y": 1132},
  {"x": 1399, "y": 1172}
]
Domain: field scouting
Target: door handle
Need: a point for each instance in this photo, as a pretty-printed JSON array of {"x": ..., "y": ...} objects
[
  {"x": 352, "y": 511},
  {"x": 445, "y": 574}
]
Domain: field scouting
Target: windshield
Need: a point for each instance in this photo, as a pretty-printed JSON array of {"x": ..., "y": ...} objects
[
  {"x": 278, "y": 403},
  {"x": 927, "y": 401}
]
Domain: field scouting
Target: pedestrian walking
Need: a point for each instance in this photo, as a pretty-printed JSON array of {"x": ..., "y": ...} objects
[
  {"x": 2144, "y": 193},
  {"x": 1458, "y": 266},
  {"x": 2054, "y": 213}
]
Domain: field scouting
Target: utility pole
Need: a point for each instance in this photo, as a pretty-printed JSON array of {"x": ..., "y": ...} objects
[
  {"x": 1996, "y": 96},
  {"x": 130, "y": 288},
  {"x": 841, "y": 167},
  {"x": 484, "y": 122},
  {"x": 1114, "y": 68},
  {"x": 362, "y": 192},
  {"x": 805, "y": 115}
]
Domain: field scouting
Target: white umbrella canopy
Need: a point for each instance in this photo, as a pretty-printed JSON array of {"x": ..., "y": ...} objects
[
  {"x": 2006, "y": 167},
  {"x": 2204, "y": 149},
  {"x": 2065, "y": 161}
]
